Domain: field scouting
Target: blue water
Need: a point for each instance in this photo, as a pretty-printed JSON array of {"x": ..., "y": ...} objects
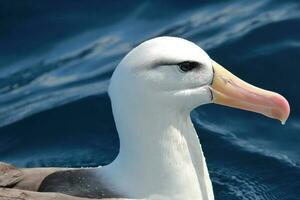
[{"x": 56, "y": 60}]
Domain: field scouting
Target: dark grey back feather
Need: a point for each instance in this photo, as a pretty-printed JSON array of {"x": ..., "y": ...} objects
[{"x": 80, "y": 183}]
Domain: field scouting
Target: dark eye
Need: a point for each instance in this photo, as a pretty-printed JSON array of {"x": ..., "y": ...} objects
[{"x": 187, "y": 66}]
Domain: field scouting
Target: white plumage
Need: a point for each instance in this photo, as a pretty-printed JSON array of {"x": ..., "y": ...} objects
[{"x": 160, "y": 154}]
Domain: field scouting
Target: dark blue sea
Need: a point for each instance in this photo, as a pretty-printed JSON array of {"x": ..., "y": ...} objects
[{"x": 56, "y": 59}]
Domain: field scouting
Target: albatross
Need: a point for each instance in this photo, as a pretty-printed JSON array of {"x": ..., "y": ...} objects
[{"x": 152, "y": 91}]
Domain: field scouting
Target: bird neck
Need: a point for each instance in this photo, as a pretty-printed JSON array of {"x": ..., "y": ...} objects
[{"x": 159, "y": 154}]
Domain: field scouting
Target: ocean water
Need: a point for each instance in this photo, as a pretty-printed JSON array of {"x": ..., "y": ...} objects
[{"x": 56, "y": 59}]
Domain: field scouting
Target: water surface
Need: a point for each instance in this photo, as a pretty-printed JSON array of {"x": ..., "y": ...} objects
[{"x": 56, "y": 60}]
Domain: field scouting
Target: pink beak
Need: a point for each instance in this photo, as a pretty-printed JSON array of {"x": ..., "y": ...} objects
[{"x": 231, "y": 91}]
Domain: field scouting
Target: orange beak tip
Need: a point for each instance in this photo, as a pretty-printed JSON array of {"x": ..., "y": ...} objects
[{"x": 285, "y": 109}]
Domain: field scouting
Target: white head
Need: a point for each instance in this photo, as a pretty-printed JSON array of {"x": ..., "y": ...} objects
[{"x": 170, "y": 71}]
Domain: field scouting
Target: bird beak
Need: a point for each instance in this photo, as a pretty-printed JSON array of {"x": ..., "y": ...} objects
[{"x": 229, "y": 90}]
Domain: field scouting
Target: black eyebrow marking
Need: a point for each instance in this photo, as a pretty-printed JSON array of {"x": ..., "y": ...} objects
[
  {"x": 162, "y": 62},
  {"x": 166, "y": 62}
]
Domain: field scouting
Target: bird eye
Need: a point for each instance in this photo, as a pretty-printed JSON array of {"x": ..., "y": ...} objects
[{"x": 187, "y": 66}]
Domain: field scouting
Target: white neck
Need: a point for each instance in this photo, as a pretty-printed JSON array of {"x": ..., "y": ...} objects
[{"x": 159, "y": 154}]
